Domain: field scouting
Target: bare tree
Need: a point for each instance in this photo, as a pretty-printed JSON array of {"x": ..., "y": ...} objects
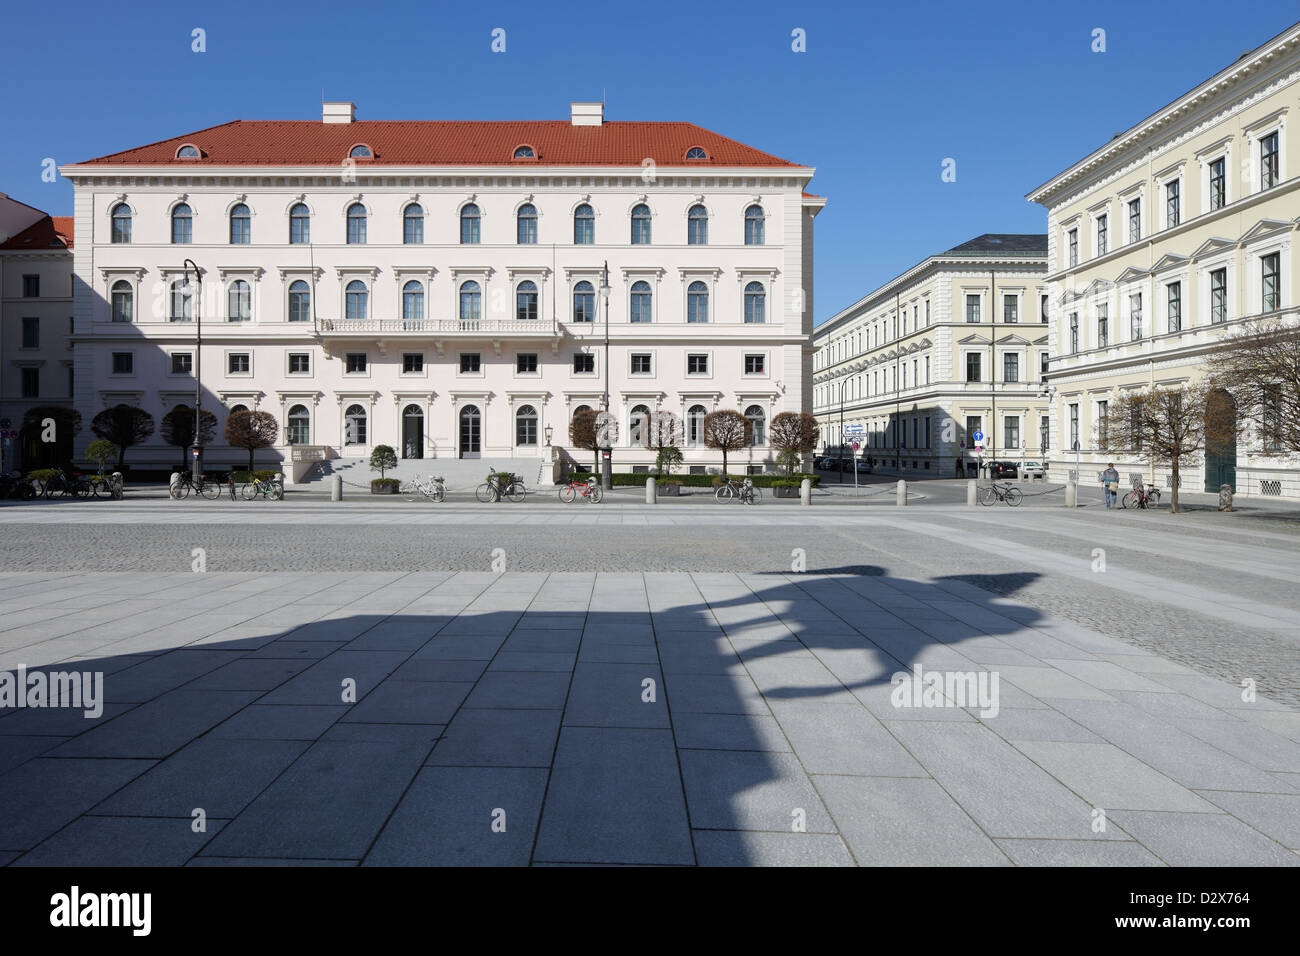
[
  {"x": 793, "y": 434},
  {"x": 583, "y": 434},
  {"x": 1260, "y": 365},
  {"x": 1172, "y": 426},
  {"x": 177, "y": 428},
  {"x": 253, "y": 430},
  {"x": 727, "y": 430},
  {"x": 123, "y": 425}
]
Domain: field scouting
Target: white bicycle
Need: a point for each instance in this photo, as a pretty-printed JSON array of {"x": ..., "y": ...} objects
[{"x": 431, "y": 486}]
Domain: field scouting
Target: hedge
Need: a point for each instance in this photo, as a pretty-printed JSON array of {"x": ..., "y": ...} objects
[
  {"x": 623, "y": 478},
  {"x": 243, "y": 476}
]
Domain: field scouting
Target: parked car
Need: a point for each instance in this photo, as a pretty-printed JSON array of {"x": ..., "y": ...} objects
[
  {"x": 1032, "y": 469},
  {"x": 1003, "y": 469},
  {"x": 828, "y": 463}
]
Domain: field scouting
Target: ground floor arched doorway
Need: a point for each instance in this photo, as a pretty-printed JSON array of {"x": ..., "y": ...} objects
[
  {"x": 471, "y": 432},
  {"x": 412, "y": 432},
  {"x": 1220, "y": 463}
]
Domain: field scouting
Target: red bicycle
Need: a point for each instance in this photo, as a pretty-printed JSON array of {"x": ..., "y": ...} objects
[{"x": 587, "y": 489}]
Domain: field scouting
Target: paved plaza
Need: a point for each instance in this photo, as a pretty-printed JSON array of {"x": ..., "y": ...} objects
[{"x": 390, "y": 683}]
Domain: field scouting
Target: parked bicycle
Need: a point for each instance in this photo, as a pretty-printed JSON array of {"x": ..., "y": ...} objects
[
  {"x": 206, "y": 488},
  {"x": 261, "y": 488},
  {"x": 588, "y": 489},
  {"x": 1142, "y": 496},
  {"x": 431, "y": 486},
  {"x": 500, "y": 486},
  {"x": 995, "y": 492},
  {"x": 733, "y": 489},
  {"x": 65, "y": 485},
  {"x": 15, "y": 486}
]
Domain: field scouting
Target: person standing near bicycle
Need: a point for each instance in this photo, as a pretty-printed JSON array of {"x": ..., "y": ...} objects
[{"x": 1110, "y": 484}]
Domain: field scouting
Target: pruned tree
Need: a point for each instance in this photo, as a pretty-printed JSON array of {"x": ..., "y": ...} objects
[
  {"x": 1171, "y": 426},
  {"x": 177, "y": 428},
  {"x": 727, "y": 430},
  {"x": 793, "y": 435},
  {"x": 65, "y": 419},
  {"x": 123, "y": 425},
  {"x": 382, "y": 458},
  {"x": 101, "y": 452},
  {"x": 251, "y": 430},
  {"x": 1260, "y": 365},
  {"x": 583, "y": 434},
  {"x": 662, "y": 430}
]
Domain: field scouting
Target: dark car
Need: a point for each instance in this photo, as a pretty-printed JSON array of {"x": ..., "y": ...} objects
[{"x": 1004, "y": 469}]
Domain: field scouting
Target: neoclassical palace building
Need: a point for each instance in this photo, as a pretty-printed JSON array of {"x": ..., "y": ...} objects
[
  {"x": 442, "y": 287},
  {"x": 1166, "y": 238}
]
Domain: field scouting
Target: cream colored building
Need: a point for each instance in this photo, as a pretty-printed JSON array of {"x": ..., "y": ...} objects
[
  {"x": 953, "y": 347},
  {"x": 1170, "y": 235}
]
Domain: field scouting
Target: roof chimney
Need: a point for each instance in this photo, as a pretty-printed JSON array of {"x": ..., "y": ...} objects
[
  {"x": 338, "y": 112},
  {"x": 586, "y": 114}
]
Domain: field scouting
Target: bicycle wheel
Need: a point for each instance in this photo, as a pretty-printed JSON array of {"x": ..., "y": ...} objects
[
  {"x": 516, "y": 491},
  {"x": 486, "y": 492},
  {"x": 567, "y": 494},
  {"x": 439, "y": 492},
  {"x": 595, "y": 495},
  {"x": 986, "y": 495},
  {"x": 1130, "y": 500},
  {"x": 276, "y": 492},
  {"x": 99, "y": 489},
  {"x": 758, "y": 494},
  {"x": 1013, "y": 496},
  {"x": 210, "y": 490},
  {"x": 248, "y": 491},
  {"x": 723, "y": 493}
]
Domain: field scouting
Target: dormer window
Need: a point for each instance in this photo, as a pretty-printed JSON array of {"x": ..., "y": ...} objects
[
  {"x": 360, "y": 151},
  {"x": 696, "y": 152},
  {"x": 188, "y": 151},
  {"x": 524, "y": 152}
]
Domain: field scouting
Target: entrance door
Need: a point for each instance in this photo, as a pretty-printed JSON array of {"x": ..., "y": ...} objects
[
  {"x": 412, "y": 432},
  {"x": 1221, "y": 463},
  {"x": 470, "y": 432}
]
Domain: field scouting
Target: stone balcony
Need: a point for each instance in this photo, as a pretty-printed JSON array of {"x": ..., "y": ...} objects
[{"x": 439, "y": 327}]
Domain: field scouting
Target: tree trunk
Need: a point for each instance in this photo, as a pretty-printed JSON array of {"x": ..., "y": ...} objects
[
  {"x": 1173, "y": 497},
  {"x": 724, "y": 462},
  {"x": 121, "y": 456}
]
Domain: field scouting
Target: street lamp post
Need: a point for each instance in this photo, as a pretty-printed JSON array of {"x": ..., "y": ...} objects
[
  {"x": 840, "y": 458},
  {"x": 606, "y": 465},
  {"x": 197, "y": 455}
]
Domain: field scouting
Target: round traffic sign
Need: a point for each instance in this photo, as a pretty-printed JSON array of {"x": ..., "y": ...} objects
[
  {"x": 856, "y": 446},
  {"x": 978, "y": 436}
]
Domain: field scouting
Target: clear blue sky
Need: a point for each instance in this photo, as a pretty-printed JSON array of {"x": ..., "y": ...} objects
[{"x": 884, "y": 93}]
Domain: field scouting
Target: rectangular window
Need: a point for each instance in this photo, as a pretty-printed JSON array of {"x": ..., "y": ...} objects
[
  {"x": 1173, "y": 203},
  {"x": 469, "y": 363},
  {"x": 1074, "y": 427},
  {"x": 583, "y": 363},
  {"x": 927, "y": 431},
  {"x": 31, "y": 287},
  {"x": 1011, "y": 308},
  {"x": 1103, "y": 326},
  {"x": 974, "y": 426},
  {"x": 1218, "y": 183},
  {"x": 1044, "y": 432},
  {"x": 972, "y": 366},
  {"x": 526, "y": 363},
  {"x": 1103, "y": 234},
  {"x": 927, "y": 370},
  {"x": 927, "y": 313},
  {"x": 299, "y": 363},
  {"x": 1074, "y": 332},
  {"x": 1074, "y": 247},
  {"x": 641, "y": 363},
  {"x": 1219, "y": 295},
  {"x": 123, "y": 363},
  {"x": 182, "y": 363},
  {"x": 32, "y": 333},
  {"x": 355, "y": 363},
  {"x": 1011, "y": 431},
  {"x": 31, "y": 382},
  {"x": 1271, "y": 285},
  {"x": 1134, "y": 220},
  {"x": 972, "y": 307},
  {"x": 1175, "y": 298},
  {"x": 1135, "y": 315},
  {"x": 1103, "y": 422},
  {"x": 1042, "y": 366},
  {"x": 238, "y": 363},
  {"x": 756, "y": 364},
  {"x": 1268, "y": 161},
  {"x": 1011, "y": 367},
  {"x": 412, "y": 363},
  {"x": 697, "y": 365},
  {"x": 1042, "y": 309}
]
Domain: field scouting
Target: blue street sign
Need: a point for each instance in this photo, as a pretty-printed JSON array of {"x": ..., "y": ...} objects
[{"x": 978, "y": 436}]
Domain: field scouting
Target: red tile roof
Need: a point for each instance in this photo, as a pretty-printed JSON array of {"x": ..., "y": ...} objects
[
  {"x": 445, "y": 143},
  {"x": 48, "y": 233}
]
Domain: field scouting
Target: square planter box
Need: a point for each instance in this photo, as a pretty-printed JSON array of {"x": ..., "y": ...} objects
[
  {"x": 384, "y": 489},
  {"x": 673, "y": 490},
  {"x": 781, "y": 491}
]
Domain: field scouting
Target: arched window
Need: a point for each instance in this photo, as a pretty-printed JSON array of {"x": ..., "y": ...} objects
[
  {"x": 696, "y": 152},
  {"x": 471, "y": 302},
  {"x": 182, "y": 302},
  {"x": 121, "y": 223},
  {"x": 298, "y": 426},
  {"x": 299, "y": 225},
  {"x": 697, "y": 226},
  {"x": 123, "y": 301},
  {"x": 757, "y": 421},
  {"x": 182, "y": 224},
  {"x": 299, "y": 301},
  {"x": 526, "y": 301},
  {"x": 584, "y": 226},
  {"x": 238, "y": 408},
  {"x": 413, "y": 300},
  {"x": 413, "y": 225},
  {"x": 695, "y": 424},
  {"x": 697, "y": 302},
  {"x": 356, "y": 224},
  {"x": 754, "y": 226},
  {"x": 241, "y": 225},
  {"x": 580, "y": 409},
  {"x": 526, "y": 425},
  {"x": 188, "y": 152},
  {"x": 584, "y": 302},
  {"x": 356, "y": 300},
  {"x": 469, "y": 220},
  {"x": 524, "y": 152},
  {"x": 239, "y": 301},
  {"x": 354, "y": 425},
  {"x": 638, "y": 423},
  {"x": 361, "y": 151},
  {"x": 641, "y": 225},
  {"x": 527, "y": 224},
  {"x": 755, "y": 303},
  {"x": 642, "y": 303}
]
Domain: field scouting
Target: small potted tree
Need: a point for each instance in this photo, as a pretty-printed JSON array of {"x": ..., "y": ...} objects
[
  {"x": 381, "y": 459},
  {"x": 669, "y": 457},
  {"x": 794, "y": 435},
  {"x": 101, "y": 452}
]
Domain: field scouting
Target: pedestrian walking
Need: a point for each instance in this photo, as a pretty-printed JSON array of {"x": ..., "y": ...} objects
[{"x": 1110, "y": 484}]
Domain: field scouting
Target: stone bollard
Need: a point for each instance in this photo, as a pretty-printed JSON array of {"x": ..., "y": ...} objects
[
  {"x": 173, "y": 484},
  {"x": 900, "y": 496},
  {"x": 1225, "y": 497},
  {"x": 651, "y": 491},
  {"x": 115, "y": 484},
  {"x": 972, "y": 492},
  {"x": 336, "y": 487},
  {"x": 805, "y": 492},
  {"x": 1071, "y": 493}
]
